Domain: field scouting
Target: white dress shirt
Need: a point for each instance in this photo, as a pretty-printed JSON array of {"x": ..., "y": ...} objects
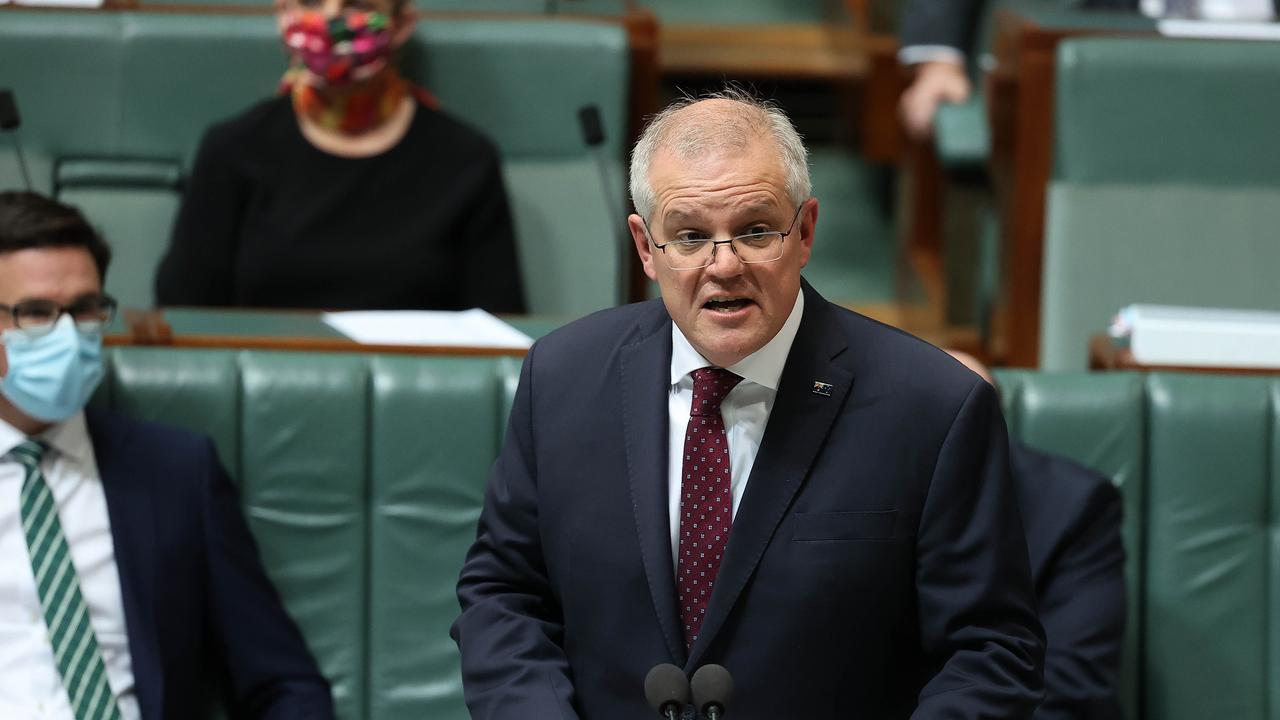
[
  {"x": 745, "y": 409},
  {"x": 30, "y": 686}
]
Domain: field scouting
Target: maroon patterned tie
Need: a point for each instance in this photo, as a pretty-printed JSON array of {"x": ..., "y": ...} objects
[{"x": 706, "y": 502}]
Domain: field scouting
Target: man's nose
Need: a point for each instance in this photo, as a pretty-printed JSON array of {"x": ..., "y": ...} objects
[{"x": 724, "y": 261}]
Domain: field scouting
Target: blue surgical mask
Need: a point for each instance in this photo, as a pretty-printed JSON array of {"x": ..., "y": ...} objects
[{"x": 53, "y": 372}]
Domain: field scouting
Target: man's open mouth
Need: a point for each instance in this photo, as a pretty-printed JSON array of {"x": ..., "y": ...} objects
[{"x": 726, "y": 305}]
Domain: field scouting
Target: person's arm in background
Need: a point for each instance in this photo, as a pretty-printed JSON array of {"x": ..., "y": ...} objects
[
  {"x": 1082, "y": 601},
  {"x": 936, "y": 36},
  {"x": 490, "y": 259},
  {"x": 198, "y": 267}
]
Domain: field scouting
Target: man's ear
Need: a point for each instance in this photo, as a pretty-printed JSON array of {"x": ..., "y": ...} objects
[
  {"x": 808, "y": 227},
  {"x": 643, "y": 248}
]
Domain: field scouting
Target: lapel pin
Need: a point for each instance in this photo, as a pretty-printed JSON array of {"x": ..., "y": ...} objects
[{"x": 821, "y": 388}]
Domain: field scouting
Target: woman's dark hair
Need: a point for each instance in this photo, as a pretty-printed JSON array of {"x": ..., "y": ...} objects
[{"x": 29, "y": 220}]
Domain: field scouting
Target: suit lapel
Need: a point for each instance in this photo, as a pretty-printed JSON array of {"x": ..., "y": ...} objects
[
  {"x": 645, "y": 370},
  {"x": 798, "y": 426},
  {"x": 133, "y": 533}
]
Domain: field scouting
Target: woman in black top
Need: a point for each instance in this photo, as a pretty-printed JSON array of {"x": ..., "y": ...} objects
[{"x": 349, "y": 191}]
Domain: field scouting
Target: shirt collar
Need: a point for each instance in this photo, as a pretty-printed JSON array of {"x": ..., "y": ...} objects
[
  {"x": 69, "y": 437},
  {"x": 763, "y": 367}
]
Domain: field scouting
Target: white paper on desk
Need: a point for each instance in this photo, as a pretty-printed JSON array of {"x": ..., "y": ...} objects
[
  {"x": 1211, "y": 30},
  {"x": 1202, "y": 337},
  {"x": 60, "y": 3},
  {"x": 468, "y": 328}
]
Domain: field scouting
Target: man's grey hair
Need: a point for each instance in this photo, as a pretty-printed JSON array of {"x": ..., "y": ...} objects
[{"x": 745, "y": 119}]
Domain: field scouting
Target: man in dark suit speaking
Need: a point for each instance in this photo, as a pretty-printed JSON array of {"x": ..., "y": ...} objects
[
  {"x": 129, "y": 583},
  {"x": 744, "y": 474}
]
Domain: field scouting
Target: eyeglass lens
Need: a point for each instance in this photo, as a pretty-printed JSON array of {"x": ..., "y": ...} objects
[{"x": 39, "y": 313}]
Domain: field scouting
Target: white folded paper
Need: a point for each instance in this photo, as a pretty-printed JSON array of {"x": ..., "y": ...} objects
[
  {"x": 1200, "y": 337},
  {"x": 468, "y": 328}
]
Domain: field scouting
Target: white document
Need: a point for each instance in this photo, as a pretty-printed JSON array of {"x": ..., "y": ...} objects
[
  {"x": 468, "y": 328},
  {"x": 59, "y": 3},
  {"x": 1212, "y": 30},
  {"x": 1200, "y": 337}
]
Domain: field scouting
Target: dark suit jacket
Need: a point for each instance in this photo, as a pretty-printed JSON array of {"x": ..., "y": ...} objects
[
  {"x": 198, "y": 606},
  {"x": 876, "y": 563},
  {"x": 1072, "y": 517}
]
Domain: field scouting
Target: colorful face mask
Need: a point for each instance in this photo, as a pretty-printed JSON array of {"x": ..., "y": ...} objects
[
  {"x": 349, "y": 48},
  {"x": 52, "y": 374}
]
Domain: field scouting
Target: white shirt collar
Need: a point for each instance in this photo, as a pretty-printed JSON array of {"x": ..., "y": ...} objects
[
  {"x": 69, "y": 437},
  {"x": 763, "y": 367}
]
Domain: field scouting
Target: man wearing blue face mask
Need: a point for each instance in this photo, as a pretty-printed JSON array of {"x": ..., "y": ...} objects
[{"x": 129, "y": 581}]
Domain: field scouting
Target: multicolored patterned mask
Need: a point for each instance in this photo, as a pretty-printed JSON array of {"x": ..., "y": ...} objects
[{"x": 349, "y": 48}]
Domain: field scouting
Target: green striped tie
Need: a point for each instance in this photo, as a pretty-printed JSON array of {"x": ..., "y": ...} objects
[{"x": 75, "y": 649}]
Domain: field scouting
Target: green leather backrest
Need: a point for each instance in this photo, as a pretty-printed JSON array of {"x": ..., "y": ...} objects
[
  {"x": 496, "y": 73},
  {"x": 124, "y": 87},
  {"x": 568, "y": 219},
  {"x": 128, "y": 201},
  {"x": 1209, "y": 565},
  {"x": 1108, "y": 245},
  {"x": 1195, "y": 459},
  {"x": 362, "y": 479},
  {"x": 1167, "y": 183},
  {"x": 1155, "y": 110},
  {"x": 1098, "y": 420}
]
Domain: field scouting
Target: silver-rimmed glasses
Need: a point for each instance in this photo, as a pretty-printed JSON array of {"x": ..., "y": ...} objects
[{"x": 694, "y": 253}]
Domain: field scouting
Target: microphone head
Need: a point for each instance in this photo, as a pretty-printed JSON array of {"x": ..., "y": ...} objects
[
  {"x": 666, "y": 686},
  {"x": 8, "y": 111},
  {"x": 712, "y": 685},
  {"x": 592, "y": 125}
]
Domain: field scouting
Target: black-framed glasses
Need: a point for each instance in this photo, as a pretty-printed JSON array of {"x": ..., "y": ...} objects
[
  {"x": 87, "y": 312},
  {"x": 755, "y": 247}
]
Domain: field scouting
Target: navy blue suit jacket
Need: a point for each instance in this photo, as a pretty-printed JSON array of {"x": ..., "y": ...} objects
[
  {"x": 1072, "y": 517},
  {"x": 876, "y": 566},
  {"x": 199, "y": 609}
]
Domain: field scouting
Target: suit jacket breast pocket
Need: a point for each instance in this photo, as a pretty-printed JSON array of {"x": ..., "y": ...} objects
[{"x": 840, "y": 526}]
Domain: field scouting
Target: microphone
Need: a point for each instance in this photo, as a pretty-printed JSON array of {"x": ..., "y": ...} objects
[
  {"x": 712, "y": 686},
  {"x": 667, "y": 690},
  {"x": 9, "y": 120},
  {"x": 593, "y": 135}
]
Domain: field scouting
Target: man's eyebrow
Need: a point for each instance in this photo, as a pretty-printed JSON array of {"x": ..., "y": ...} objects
[
  {"x": 680, "y": 216},
  {"x": 755, "y": 209}
]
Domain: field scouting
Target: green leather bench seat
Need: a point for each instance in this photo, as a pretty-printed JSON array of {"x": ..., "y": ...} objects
[
  {"x": 112, "y": 102},
  {"x": 1194, "y": 457},
  {"x": 362, "y": 478},
  {"x": 1166, "y": 185}
]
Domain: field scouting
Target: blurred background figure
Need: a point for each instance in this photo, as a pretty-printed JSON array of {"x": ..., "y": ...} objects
[
  {"x": 939, "y": 39},
  {"x": 350, "y": 190},
  {"x": 1072, "y": 517}
]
